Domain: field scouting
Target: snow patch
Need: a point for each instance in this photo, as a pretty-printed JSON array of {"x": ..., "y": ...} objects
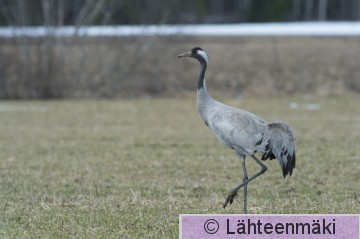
[{"x": 248, "y": 29}]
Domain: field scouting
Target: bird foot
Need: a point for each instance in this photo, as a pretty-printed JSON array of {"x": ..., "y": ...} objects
[{"x": 230, "y": 198}]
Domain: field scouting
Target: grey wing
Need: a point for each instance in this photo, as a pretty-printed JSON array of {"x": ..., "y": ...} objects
[
  {"x": 239, "y": 131},
  {"x": 281, "y": 145}
]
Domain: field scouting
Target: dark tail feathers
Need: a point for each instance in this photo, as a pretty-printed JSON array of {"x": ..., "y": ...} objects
[{"x": 281, "y": 145}]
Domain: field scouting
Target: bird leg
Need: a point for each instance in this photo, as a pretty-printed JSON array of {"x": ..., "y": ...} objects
[
  {"x": 245, "y": 178},
  {"x": 233, "y": 192}
]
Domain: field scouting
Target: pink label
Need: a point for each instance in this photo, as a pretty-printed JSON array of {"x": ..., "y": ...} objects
[{"x": 269, "y": 226}]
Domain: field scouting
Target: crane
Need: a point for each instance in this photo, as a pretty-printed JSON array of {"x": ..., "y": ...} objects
[{"x": 243, "y": 131}]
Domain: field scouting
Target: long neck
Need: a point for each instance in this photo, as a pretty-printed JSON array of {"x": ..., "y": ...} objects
[
  {"x": 203, "y": 98},
  {"x": 201, "y": 83}
]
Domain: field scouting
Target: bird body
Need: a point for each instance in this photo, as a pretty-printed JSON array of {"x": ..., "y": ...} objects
[
  {"x": 236, "y": 127},
  {"x": 243, "y": 131}
]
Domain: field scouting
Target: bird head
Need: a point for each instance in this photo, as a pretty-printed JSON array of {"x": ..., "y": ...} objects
[{"x": 196, "y": 53}]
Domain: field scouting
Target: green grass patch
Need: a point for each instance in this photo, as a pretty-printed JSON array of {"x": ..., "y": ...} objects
[{"x": 128, "y": 168}]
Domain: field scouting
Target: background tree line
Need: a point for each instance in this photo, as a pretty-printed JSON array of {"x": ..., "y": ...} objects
[{"x": 118, "y": 12}]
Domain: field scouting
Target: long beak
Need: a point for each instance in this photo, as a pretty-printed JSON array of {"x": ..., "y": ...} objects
[{"x": 186, "y": 54}]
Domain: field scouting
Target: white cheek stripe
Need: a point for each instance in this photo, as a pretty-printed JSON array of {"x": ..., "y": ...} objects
[{"x": 204, "y": 55}]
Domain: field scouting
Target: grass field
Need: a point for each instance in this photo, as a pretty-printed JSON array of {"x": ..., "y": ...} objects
[{"x": 128, "y": 168}]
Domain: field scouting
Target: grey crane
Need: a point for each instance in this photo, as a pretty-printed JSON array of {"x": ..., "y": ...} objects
[{"x": 243, "y": 131}]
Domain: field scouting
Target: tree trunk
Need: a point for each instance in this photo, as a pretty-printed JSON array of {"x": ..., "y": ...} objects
[
  {"x": 309, "y": 8},
  {"x": 322, "y": 10}
]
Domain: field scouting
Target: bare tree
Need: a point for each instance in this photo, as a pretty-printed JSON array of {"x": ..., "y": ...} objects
[
  {"x": 57, "y": 66},
  {"x": 42, "y": 60}
]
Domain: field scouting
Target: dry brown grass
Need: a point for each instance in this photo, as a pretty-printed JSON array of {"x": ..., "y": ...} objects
[{"x": 128, "y": 66}]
